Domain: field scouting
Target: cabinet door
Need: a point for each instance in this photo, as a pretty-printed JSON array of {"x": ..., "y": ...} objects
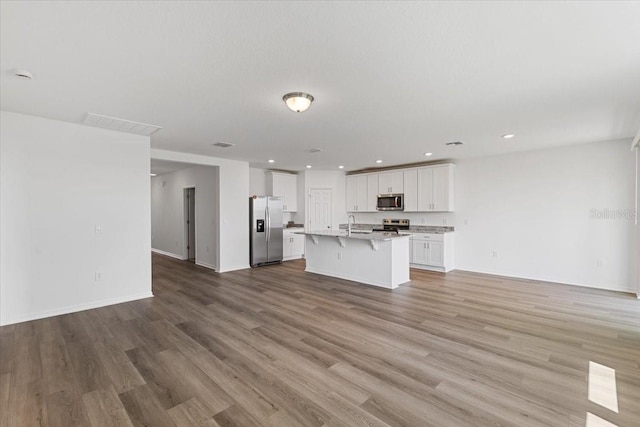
[
  {"x": 361, "y": 188},
  {"x": 425, "y": 189},
  {"x": 391, "y": 182},
  {"x": 436, "y": 254},
  {"x": 397, "y": 182},
  {"x": 286, "y": 245},
  {"x": 411, "y": 190},
  {"x": 372, "y": 192},
  {"x": 291, "y": 193},
  {"x": 440, "y": 189},
  {"x": 297, "y": 245},
  {"x": 419, "y": 253},
  {"x": 352, "y": 193},
  {"x": 384, "y": 183}
]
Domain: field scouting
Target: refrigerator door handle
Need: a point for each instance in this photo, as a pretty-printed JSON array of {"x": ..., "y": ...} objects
[{"x": 268, "y": 224}]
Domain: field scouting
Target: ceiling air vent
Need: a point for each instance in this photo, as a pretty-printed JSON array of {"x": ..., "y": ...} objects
[
  {"x": 122, "y": 125},
  {"x": 454, "y": 143},
  {"x": 315, "y": 150},
  {"x": 223, "y": 144}
]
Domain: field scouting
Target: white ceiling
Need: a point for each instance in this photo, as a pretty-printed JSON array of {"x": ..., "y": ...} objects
[{"x": 392, "y": 80}]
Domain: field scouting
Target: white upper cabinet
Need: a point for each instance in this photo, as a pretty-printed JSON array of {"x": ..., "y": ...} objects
[
  {"x": 391, "y": 182},
  {"x": 411, "y": 190},
  {"x": 284, "y": 185},
  {"x": 435, "y": 188},
  {"x": 372, "y": 192},
  {"x": 361, "y": 196}
]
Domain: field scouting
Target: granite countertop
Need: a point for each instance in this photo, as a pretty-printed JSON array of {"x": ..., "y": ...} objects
[
  {"x": 377, "y": 235},
  {"x": 433, "y": 229}
]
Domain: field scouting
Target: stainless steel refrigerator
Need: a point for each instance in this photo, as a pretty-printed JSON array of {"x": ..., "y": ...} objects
[{"x": 265, "y": 230}]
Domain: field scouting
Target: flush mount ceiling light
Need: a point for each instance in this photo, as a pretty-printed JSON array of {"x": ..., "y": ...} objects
[
  {"x": 153, "y": 174},
  {"x": 378, "y": 161},
  {"x": 428, "y": 154},
  {"x": 308, "y": 166},
  {"x": 341, "y": 167},
  {"x": 271, "y": 161},
  {"x": 298, "y": 101},
  {"x": 508, "y": 136}
]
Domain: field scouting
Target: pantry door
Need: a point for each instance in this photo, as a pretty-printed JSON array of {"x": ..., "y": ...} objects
[{"x": 319, "y": 209}]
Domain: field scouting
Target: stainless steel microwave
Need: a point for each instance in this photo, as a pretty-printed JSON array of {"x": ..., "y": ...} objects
[{"x": 390, "y": 202}]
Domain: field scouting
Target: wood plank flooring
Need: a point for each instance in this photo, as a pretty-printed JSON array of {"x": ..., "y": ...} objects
[{"x": 276, "y": 346}]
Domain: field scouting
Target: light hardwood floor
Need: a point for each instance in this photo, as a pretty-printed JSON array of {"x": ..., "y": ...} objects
[{"x": 279, "y": 347}]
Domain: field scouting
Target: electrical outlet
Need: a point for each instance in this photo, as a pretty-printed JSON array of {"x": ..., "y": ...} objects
[
  {"x": 98, "y": 276},
  {"x": 599, "y": 263},
  {"x": 339, "y": 255},
  {"x": 423, "y": 220},
  {"x": 98, "y": 229},
  {"x": 495, "y": 254}
]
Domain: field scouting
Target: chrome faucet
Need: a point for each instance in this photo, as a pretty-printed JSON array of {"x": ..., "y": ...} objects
[{"x": 349, "y": 224}]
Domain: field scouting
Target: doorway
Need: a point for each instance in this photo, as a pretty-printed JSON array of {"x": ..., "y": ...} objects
[
  {"x": 190, "y": 225},
  {"x": 319, "y": 209}
]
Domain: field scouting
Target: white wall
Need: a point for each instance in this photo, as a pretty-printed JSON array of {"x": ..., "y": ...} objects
[
  {"x": 232, "y": 209},
  {"x": 168, "y": 213},
  {"x": 257, "y": 182},
  {"x": 58, "y": 182},
  {"x": 637, "y": 209},
  {"x": 535, "y": 210}
]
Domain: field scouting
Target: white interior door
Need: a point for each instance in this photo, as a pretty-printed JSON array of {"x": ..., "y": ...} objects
[{"x": 319, "y": 209}]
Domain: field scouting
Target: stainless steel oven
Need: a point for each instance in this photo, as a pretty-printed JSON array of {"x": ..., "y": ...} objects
[{"x": 390, "y": 202}]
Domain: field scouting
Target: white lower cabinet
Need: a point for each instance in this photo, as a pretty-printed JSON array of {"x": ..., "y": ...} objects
[
  {"x": 292, "y": 245},
  {"x": 432, "y": 251}
]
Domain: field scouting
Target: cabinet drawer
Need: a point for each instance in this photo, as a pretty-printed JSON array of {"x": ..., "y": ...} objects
[{"x": 428, "y": 237}]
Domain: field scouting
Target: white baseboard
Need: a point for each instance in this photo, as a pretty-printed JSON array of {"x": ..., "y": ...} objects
[
  {"x": 239, "y": 267},
  {"x": 207, "y": 265},
  {"x": 75, "y": 308},
  {"x": 545, "y": 280},
  {"x": 172, "y": 255}
]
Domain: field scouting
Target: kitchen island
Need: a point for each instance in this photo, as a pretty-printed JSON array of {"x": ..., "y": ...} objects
[{"x": 375, "y": 258}]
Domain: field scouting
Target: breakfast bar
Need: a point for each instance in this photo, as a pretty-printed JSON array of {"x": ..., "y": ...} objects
[{"x": 375, "y": 258}]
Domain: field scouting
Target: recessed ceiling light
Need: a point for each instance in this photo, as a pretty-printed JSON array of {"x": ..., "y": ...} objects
[
  {"x": 271, "y": 161},
  {"x": 23, "y": 74},
  {"x": 508, "y": 136},
  {"x": 154, "y": 174},
  {"x": 378, "y": 161},
  {"x": 308, "y": 166},
  {"x": 340, "y": 167},
  {"x": 428, "y": 154}
]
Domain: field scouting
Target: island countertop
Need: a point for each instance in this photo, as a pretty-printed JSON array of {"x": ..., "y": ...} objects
[{"x": 356, "y": 234}]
